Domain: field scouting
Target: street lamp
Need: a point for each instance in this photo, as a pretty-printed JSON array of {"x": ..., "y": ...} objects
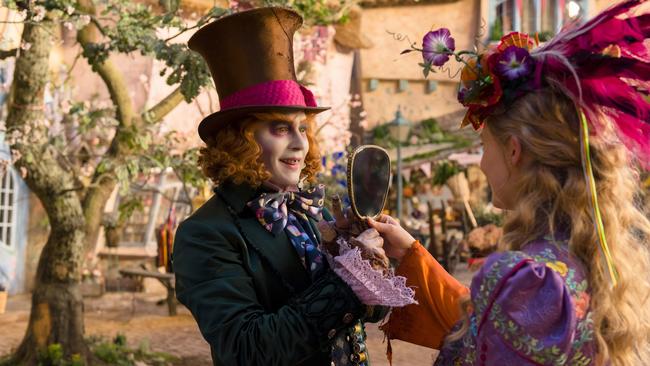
[{"x": 399, "y": 130}]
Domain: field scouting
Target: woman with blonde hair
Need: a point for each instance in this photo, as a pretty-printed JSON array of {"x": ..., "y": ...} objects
[{"x": 563, "y": 126}]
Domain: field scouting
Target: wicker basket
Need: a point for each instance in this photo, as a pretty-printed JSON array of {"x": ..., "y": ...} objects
[{"x": 3, "y": 301}]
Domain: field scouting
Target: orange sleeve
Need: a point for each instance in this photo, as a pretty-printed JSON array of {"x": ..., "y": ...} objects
[{"x": 437, "y": 292}]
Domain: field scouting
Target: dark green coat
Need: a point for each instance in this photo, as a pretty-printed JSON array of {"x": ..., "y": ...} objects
[{"x": 241, "y": 305}]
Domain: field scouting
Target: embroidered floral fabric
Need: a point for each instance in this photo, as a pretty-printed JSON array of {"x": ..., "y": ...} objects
[{"x": 531, "y": 307}]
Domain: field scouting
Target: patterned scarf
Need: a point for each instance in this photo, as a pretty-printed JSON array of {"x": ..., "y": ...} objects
[{"x": 290, "y": 211}]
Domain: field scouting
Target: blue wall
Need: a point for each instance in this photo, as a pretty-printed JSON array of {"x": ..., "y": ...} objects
[{"x": 12, "y": 260}]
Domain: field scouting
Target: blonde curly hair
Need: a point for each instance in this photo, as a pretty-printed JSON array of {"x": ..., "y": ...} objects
[
  {"x": 232, "y": 154},
  {"x": 552, "y": 192}
]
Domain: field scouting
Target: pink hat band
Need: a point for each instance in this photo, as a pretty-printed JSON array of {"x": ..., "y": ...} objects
[{"x": 281, "y": 93}]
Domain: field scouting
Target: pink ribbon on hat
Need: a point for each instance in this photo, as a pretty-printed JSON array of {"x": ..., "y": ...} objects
[{"x": 280, "y": 93}]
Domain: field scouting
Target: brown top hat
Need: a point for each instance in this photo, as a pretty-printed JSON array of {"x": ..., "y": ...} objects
[{"x": 250, "y": 56}]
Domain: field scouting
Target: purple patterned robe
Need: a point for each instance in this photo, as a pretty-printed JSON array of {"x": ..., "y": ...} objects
[{"x": 531, "y": 307}]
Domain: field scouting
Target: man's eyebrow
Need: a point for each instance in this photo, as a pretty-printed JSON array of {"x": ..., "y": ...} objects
[{"x": 287, "y": 120}]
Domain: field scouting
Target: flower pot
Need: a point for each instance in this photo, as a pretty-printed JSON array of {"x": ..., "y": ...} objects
[
  {"x": 3, "y": 301},
  {"x": 112, "y": 237}
]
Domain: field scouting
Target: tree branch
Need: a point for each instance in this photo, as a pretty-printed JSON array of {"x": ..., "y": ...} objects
[
  {"x": 166, "y": 105},
  {"x": 183, "y": 31},
  {"x": 101, "y": 185},
  {"x": 4, "y": 54},
  {"x": 99, "y": 27},
  {"x": 110, "y": 74},
  {"x": 45, "y": 174}
]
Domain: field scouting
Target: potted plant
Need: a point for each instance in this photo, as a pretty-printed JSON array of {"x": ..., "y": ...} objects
[{"x": 111, "y": 230}]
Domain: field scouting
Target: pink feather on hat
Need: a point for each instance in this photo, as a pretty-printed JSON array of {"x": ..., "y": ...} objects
[{"x": 604, "y": 65}]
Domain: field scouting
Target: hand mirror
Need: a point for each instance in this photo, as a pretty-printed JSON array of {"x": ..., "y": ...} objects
[{"x": 368, "y": 180}]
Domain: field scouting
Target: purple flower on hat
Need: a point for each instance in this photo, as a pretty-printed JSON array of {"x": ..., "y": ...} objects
[
  {"x": 514, "y": 63},
  {"x": 462, "y": 94},
  {"x": 437, "y": 45}
]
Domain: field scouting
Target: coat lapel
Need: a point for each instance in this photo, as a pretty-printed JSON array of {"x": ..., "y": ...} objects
[
  {"x": 314, "y": 228},
  {"x": 276, "y": 248}
]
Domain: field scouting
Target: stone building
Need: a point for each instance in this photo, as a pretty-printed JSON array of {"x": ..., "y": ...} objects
[{"x": 390, "y": 80}]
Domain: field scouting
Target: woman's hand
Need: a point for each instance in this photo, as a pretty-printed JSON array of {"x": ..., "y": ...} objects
[
  {"x": 371, "y": 245},
  {"x": 397, "y": 241},
  {"x": 346, "y": 222}
]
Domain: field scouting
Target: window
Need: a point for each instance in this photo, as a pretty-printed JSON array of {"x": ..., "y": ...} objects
[
  {"x": 548, "y": 18},
  {"x": 545, "y": 17},
  {"x": 135, "y": 229},
  {"x": 7, "y": 208},
  {"x": 529, "y": 17},
  {"x": 504, "y": 21},
  {"x": 157, "y": 201}
]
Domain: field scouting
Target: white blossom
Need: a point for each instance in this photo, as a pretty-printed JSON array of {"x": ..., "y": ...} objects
[
  {"x": 83, "y": 21},
  {"x": 3, "y": 166},
  {"x": 70, "y": 9},
  {"x": 13, "y": 137},
  {"x": 39, "y": 13},
  {"x": 364, "y": 124},
  {"x": 25, "y": 45}
]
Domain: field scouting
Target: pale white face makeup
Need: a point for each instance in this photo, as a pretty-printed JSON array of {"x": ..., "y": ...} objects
[
  {"x": 500, "y": 164},
  {"x": 284, "y": 147}
]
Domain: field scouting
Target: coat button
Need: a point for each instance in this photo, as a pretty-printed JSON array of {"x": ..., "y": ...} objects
[
  {"x": 348, "y": 318},
  {"x": 331, "y": 333}
]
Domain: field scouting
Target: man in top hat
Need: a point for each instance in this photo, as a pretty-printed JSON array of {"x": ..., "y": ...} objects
[{"x": 247, "y": 262}]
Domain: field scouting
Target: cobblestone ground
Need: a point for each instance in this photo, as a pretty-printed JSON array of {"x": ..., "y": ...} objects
[{"x": 139, "y": 318}]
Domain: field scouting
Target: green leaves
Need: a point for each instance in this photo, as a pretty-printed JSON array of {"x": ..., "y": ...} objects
[
  {"x": 135, "y": 27},
  {"x": 315, "y": 12},
  {"x": 427, "y": 67},
  {"x": 187, "y": 68},
  {"x": 444, "y": 171},
  {"x": 128, "y": 205}
]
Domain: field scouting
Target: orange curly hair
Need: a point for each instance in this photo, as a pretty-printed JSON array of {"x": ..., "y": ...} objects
[{"x": 232, "y": 154}]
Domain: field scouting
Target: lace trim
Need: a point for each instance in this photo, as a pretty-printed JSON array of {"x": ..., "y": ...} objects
[{"x": 372, "y": 286}]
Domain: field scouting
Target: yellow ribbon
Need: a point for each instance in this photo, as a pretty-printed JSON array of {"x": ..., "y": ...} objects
[{"x": 591, "y": 184}]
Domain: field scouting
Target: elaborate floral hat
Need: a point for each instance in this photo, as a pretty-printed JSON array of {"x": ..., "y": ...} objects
[{"x": 603, "y": 65}]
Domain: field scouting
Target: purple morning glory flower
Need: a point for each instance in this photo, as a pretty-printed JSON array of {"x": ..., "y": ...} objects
[
  {"x": 462, "y": 94},
  {"x": 514, "y": 63},
  {"x": 437, "y": 45}
]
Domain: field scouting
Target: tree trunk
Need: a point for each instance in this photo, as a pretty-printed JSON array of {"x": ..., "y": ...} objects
[
  {"x": 57, "y": 304},
  {"x": 57, "y": 307}
]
